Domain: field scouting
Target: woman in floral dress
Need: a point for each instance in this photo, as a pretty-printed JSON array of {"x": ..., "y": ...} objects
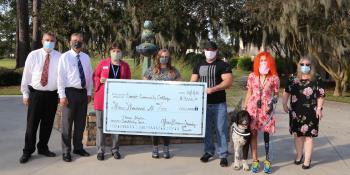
[
  {"x": 305, "y": 111},
  {"x": 263, "y": 86}
]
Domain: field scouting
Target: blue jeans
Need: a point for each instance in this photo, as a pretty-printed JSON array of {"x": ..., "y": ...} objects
[{"x": 216, "y": 120}]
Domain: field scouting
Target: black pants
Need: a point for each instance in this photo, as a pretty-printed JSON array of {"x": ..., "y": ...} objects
[
  {"x": 155, "y": 140},
  {"x": 41, "y": 109},
  {"x": 74, "y": 112}
]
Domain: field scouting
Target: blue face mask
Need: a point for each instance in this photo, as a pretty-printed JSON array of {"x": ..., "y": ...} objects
[
  {"x": 49, "y": 45},
  {"x": 305, "y": 69}
]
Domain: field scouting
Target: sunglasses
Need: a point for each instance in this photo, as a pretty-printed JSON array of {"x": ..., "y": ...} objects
[{"x": 302, "y": 64}]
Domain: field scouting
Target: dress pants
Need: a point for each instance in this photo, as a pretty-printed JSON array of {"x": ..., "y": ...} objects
[
  {"x": 74, "y": 112},
  {"x": 41, "y": 110}
]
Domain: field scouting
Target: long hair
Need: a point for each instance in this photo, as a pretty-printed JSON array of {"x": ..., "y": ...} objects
[
  {"x": 157, "y": 66},
  {"x": 312, "y": 72},
  {"x": 270, "y": 63}
]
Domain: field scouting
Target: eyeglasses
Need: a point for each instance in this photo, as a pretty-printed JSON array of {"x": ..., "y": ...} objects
[{"x": 302, "y": 64}]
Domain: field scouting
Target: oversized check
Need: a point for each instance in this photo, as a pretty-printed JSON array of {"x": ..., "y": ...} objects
[{"x": 158, "y": 108}]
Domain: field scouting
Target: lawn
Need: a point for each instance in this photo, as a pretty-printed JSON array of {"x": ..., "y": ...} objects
[{"x": 8, "y": 63}]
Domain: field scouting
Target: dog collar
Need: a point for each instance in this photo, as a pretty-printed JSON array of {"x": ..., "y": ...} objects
[{"x": 239, "y": 133}]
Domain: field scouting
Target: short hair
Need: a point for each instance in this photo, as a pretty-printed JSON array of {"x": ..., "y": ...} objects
[
  {"x": 50, "y": 34},
  {"x": 115, "y": 46},
  {"x": 270, "y": 63},
  {"x": 76, "y": 34}
]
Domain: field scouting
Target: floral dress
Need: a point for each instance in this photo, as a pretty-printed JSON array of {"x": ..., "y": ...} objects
[
  {"x": 260, "y": 119},
  {"x": 304, "y": 95}
]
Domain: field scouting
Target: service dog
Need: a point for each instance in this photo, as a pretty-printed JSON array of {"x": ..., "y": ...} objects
[{"x": 240, "y": 134}]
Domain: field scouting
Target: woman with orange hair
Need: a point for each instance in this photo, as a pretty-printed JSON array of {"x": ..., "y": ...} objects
[{"x": 263, "y": 85}]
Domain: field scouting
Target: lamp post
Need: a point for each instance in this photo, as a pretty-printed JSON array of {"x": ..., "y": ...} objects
[{"x": 147, "y": 48}]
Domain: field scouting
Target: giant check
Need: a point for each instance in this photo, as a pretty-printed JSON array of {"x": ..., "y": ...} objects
[{"x": 160, "y": 108}]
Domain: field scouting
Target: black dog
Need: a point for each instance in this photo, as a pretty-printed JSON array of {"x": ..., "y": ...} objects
[{"x": 240, "y": 134}]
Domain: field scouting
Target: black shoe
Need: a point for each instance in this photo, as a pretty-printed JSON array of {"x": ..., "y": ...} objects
[
  {"x": 100, "y": 156},
  {"x": 206, "y": 157},
  {"x": 223, "y": 162},
  {"x": 66, "y": 157},
  {"x": 81, "y": 152},
  {"x": 305, "y": 167},
  {"x": 47, "y": 153},
  {"x": 116, "y": 155},
  {"x": 298, "y": 162},
  {"x": 24, "y": 158}
]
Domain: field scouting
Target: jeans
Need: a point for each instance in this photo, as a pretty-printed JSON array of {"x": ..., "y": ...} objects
[{"x": 216, "y": 121}]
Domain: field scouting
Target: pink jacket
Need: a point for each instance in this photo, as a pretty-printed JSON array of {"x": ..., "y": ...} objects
[{"x": 102, "y": 70}]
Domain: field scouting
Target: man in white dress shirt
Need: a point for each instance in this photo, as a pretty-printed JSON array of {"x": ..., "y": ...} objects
[
  {"x": 39, "y": 89},
  {"x": 74, "y": 89}
]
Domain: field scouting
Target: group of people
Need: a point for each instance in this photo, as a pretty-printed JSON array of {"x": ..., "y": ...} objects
[{"x": 50, "y": 77}]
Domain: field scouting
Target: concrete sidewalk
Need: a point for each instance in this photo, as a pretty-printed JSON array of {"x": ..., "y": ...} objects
[{"x": 331, "y": 154}]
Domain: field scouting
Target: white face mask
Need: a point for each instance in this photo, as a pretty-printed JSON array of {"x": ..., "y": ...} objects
[
  {"x": 263, "y": 69},
  {"x": 116, "y": 56},
  {"x": 209, "y": 55}
]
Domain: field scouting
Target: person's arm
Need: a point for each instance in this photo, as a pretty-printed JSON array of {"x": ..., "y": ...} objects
[
  {"x": 26, "y": 78},
  {"x": 90, "y": 82},
  {"x": 285, "y": 98},
  {"x": 61, "y": 81},
  {"x": 247, "y": 97},
  {"x": 320, "y": 102},
  {"x": 226, "y": 83},
  {"x": 128, "y": 72}
]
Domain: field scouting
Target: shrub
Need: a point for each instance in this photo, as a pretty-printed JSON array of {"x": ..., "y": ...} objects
[
  {"x": 10, "y": 77},
  {"x": 232, "y": 62},
  {"x": 193, "y": 59},
  {"x": 245, "y": 63}
]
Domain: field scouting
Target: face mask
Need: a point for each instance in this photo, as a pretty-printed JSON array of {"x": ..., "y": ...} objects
[
  {"x": 77, "y": 44},
  {"x": 48, "y": 45},
  {"x": 116, "y": 56},
  {"x": 163, "y": 60},
  {"x": 210, "y": 55},
  {"x": 305, "y": 69},
  {"x": 263, "y": 69}
]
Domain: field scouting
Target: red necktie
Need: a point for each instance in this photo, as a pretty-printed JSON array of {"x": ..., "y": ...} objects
[{"x": 45, "y": 73}]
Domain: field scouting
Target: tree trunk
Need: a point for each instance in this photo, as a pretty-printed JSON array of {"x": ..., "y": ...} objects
[
  {"x": 22, "y": 28},
  {"x": 36, "y": 44},
  {"x": 338, "y": 89}
]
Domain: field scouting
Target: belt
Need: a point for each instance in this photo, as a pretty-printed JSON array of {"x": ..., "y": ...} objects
[
  {"x": 76, "y": 89},
  {"x": 31, "y": 89}
]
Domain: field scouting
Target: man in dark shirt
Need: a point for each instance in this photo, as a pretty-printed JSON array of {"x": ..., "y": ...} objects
[{"x": 218, "y": 76}]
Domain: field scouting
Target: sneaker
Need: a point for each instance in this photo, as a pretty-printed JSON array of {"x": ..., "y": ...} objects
[
  {"x": 100, "y": 156},
  {"x": 155, "y": 152},
  {"x": 166, "y": 153},
  {"x": 223, "y": 162},
  {"x": 255, "y": 166},
  {"x": 206, "y": 157},
  {"x": 116, "y": 155},
  {"x": 267, "y": 167}
]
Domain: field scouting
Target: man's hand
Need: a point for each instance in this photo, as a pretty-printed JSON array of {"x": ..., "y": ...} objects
[
  {"x": 26, "y": 101},
  {"x": 63, "y": 101},
  {"x": 210, "y": 90}
]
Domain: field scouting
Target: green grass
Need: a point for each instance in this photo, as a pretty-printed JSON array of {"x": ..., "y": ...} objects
[
  {"x": 10, "y": 90},
  {"x": 343, "y": 99},
  {"x": 8, "y": 63}
]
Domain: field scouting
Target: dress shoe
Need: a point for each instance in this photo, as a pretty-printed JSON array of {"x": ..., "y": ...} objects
[
  {"x": 24, "y": 158},
  {"x": 298, "y": 162},
  {"x": 81, "y": 152},
  {"x": 116, "y": 155},
  {"x": 66, "y": 157},
  {"x": 100, "y": 156},
  {"x": 206, "y": 157},
  {"x": 47, "y": 153},
  {"x": 223, "y": 162}
]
